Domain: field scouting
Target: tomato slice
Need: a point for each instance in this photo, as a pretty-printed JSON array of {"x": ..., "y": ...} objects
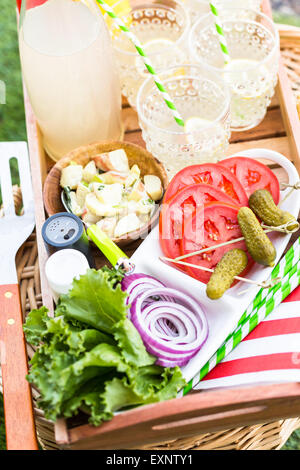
[
  {"x": 253, "y": 175},
  {"x": 209, "y": 173},
  {"x": 181, "y": 207},
  {"x": 217, "y": 223}
]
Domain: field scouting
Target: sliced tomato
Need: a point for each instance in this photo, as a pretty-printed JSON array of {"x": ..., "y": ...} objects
[
  {"x": 181, "y": 207},
  {"x": 253, "y": 175},
  {"x": 209, "y": 173},
  {"x": 215, "y": 224}
]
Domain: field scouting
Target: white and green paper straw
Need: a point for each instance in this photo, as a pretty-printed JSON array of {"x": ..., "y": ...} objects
[
  {"x": 281, "y": 269},
  {"x": 259, "y": 311},
  {"x": 222, "y": 38},
  {"x": 271, "y": 302},
  {"x": 121, "y": 25}
]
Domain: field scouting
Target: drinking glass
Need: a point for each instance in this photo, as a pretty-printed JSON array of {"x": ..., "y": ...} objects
[
  {"x": 162, "y": 28},
  {"x": 203, "y": 100},
  {"x": 198, "y": 8},
  {"x": 69, "y": 72},
  {"x": 252, "y": 70}
]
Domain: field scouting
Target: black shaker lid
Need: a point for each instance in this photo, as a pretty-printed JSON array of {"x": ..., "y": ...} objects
[{"x": 62, "y": 230}]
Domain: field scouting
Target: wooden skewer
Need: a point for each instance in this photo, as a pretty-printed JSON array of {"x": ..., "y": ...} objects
[
  {"x": 281, "y": 228},
  {"x": 263, "y": 284},
  {"x": 293, "y": 188}
]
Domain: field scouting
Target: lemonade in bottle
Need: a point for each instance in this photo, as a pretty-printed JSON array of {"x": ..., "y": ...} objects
[{"x": 69, "y": 73}]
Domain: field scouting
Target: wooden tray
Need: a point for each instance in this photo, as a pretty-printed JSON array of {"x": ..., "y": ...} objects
[{"x": 202, "y": 411}]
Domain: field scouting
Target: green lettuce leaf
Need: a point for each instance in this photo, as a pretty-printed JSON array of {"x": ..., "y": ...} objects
[
  {"x": 39, "y": 327},
  {"x": 115, "y": 276},
  {"x": 98, "y": 302},
  {"x": 121, "y": 394},
  {"x": 131, "y": 344},
  {"x": 152, "y": 380},
  {"x": 60, "y": 376},
  {"x": 95, "y": 301},
  {"x": 90, "y": 357},
  {"x": 88, "y": 399},
  {"x": 35, "y": 327}
]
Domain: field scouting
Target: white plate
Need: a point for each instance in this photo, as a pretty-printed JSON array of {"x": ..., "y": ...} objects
[{"x": 222, "y": 314}]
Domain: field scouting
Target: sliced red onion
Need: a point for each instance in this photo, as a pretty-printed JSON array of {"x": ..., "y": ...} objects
[
  {"x": 170, "y": 356},
  {"x": 136, "y": 284},
  {"x": 173, "y": 330},
  {"x": 164, "y": 327},
  {"x": 128, "y": 282},
  {"x": 166, "y": 363}
]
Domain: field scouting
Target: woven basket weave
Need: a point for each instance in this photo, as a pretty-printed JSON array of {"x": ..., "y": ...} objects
[{"x": 267, "y": 436}]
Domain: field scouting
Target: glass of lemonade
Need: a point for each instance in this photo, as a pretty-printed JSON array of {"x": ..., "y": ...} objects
[
  {"x": 69, "y": 72},
  {"x": 252, "y": 70},
  {"x": 203, "y": 100},
  {"x": 162, "y": 28},
  {"x": 198, "y": 8}
]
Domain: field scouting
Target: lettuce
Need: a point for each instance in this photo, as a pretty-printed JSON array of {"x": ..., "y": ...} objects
[
  {"x": 90, "y": 357},
  {"x": 95, "y": 301}
]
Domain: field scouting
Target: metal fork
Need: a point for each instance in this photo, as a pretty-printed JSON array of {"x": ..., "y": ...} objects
[{"x": 14, "y": 230}]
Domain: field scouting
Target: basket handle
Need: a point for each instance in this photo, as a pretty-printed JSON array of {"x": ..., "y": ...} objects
[{"x": 18, "y": 408}]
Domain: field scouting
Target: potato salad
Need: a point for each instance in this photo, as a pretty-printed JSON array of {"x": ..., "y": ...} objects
[{"x": 109, "y": 193}]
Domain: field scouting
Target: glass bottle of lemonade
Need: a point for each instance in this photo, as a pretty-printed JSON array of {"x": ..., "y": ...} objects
[{"x": 69, "y": 72}]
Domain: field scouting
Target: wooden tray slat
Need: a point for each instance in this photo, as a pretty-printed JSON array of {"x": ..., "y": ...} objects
[
  {"x": 271, "y": 126},
  {"x": 196, "y": 413},
  {"x": 279, "y": 144}
]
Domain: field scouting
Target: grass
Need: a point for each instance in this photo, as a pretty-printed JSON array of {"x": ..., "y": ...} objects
[
  {"x": 12, "y": 118},
  {"x": 12, "y": 123},
  {"x": 294, "y": 442},
  {"x": 287, "y": 19}
]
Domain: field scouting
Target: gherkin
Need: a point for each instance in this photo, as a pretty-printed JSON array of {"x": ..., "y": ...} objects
[
  {"x": 232, "y": 264},
  {"x": 258, "y": 244},
  {"x": 263, "y": 205}
]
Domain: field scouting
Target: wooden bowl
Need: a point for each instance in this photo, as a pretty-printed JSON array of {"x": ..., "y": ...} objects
[{"x": 82, "y": 155}]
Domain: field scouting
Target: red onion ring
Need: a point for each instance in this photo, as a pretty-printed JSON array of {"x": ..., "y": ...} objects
[
  {"x": 136, "y": 284},
  {"x": 175, "y": 342}
]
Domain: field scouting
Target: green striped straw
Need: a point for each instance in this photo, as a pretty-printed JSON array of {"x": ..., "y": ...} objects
[
  {"x": 281, "y": 269},
  {"x": 259, "y": 311},
  {"x": 219, "y": 28},
  {"x": 290, "y": 282},
  {"x": 121, "y": 25}
]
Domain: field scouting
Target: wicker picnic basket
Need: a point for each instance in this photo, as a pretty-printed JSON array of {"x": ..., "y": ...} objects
[{"x": 266, "y": 436}]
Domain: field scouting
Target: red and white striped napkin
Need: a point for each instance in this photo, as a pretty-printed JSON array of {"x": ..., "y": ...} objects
[{"x": 269, "y": 354}]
